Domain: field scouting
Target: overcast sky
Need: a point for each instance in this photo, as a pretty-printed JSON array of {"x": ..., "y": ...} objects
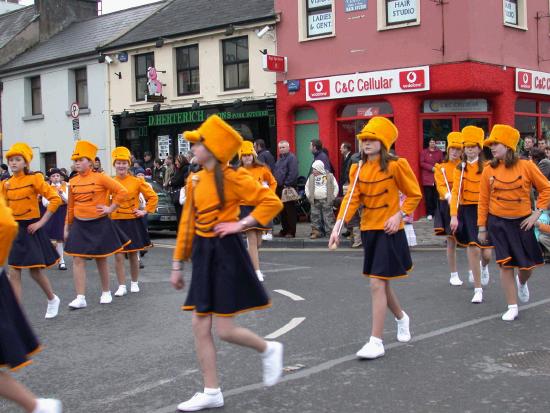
[{"x": 111, "y": 5}]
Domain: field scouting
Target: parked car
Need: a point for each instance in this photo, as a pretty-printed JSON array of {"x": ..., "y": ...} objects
[{"x": 164, "y": 218}]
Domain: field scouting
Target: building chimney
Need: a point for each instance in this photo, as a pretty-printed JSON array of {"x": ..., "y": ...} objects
[{"x": 55, "y": 15}]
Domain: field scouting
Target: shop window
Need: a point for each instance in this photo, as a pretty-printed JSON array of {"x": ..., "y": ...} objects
[
  {"x": 235, "y": 63},
  {"x": 142, "y": 63},
  {"x": 532, "y": 118},
  {"x": 36, "y": 95},
  {"x": 187, "y": 66},
  {"x": 393, "y": 14},
  {"x": 81, "y": 87},
  {"x": 514, "y": 13},
  {"x": 306, "y": 128},
  {"x": 319, "y": 18}
]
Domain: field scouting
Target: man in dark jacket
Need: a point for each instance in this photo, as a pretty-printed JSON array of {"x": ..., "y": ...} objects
[
  {"x": 319, "y": 154},
  {"x": 286, "y": 174},
  {"x": 345, "y": 150},
  {"x": 263, "y": 154}
]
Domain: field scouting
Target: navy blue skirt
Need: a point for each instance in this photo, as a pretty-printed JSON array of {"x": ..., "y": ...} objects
[
  {"x": 386, "y": 256},
  {"x": 32, "y": 250},
  {"x": 136, "y": 230},
  {"x": 466, "y": 233},
  {"x": 514, "y": 247},
  {"x": 96, "y": 238},
  {"x": 442, "y": 219},
  {"x": 17, "y": 340},
  {"x": 245, "y": 211},
  {"x": 223, "y": 281},
  {"x": 55, "y": 227}
]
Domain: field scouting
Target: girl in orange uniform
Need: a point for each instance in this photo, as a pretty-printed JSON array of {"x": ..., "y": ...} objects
[
  {"x": 17, "y": 341},
  {"x": 262, "y": 174},
  {"x": 381, "y": 176},
  {"x": 505, "y": 214},
  {"x": 31, "y": 249},
  {"x": 89, "y": 232},
  {"x": 223, "y": 281},
  {"x": 444, "y": 181},
  {"x": 464, "y": 200},
  {"x": 128, "y": 217},
  {"x": 56, "y": 225}
]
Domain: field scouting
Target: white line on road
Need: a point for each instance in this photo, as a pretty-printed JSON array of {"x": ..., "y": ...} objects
[
  {"x": 290, "y": 295},
  {"x": 295, "y": 322},
  {"x": 286, "y": 269}
]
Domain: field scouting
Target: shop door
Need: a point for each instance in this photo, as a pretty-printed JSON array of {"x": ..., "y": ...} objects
[{"x": 438, "y": 127}]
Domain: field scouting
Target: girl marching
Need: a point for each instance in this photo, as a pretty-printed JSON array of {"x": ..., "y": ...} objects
[
  {"x": 89, "y": 232},
  {"x": 379, "y": 178},
  {"x": 129, "y": 219},
  {"x": 55, "y": 226},
  {"x": 223, "y": 281},
  {"x": 31, "y": 249},
  {"x": 505, "y": 215},
  {"x": 444, "y": 181},
  {"x": 17, "y": 341},
  {"x": 261, "y": 174},
  {"x": 464, "y": 203}
]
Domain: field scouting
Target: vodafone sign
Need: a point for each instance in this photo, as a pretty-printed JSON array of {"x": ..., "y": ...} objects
[
  {"x": 529, "y": 81},
  {"x": 412, "y": 79}
]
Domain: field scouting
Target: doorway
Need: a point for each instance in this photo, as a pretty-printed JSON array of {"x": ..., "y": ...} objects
[{"x": 437, "y": 127}]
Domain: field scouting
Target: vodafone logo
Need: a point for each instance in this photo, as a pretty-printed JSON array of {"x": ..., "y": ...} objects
[
  {"x": 318, "y": 88},
  {"x": 525, "y": 80},
  {"x": 412, "y": 79}
]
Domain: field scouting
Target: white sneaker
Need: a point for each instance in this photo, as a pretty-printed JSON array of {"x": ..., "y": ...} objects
[
  {"x": 484, "y": 274},
  {"x": 260, "y": 275},
  {"x": 78, "y": 302},
  {"x": 429, "y": 217},
  {"x": 455, "y": 279},
  {"x": 48, "y": 406},
  {"x": 470, "y": 277},
  {"x": 53, "y": 307},
  {"x": 403, "y": 332},
  {"x": 122, "y": 291},
  {"x": 373, "y": 349},
  {"x": 134, "y": 287},
  {"x": 106, "y": 298},
  {"x": 268, "y": 236},
  {"x": 523, "y": 291},
  {"x": 511, "y": 314},
  {"x": 272, "y": 360},
  {"x": 478, "y": 296},
  {"x": 201, "y": 401}
]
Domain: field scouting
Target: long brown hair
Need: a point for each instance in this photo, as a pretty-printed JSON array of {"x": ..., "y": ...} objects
[
  {"x": 480, "y": 161},
  {"x": 510, "y": 159},
  {"x": 385, "y": 158},
  {"x": 255, "y": 161},
  {"x": 218, "y": 178}
]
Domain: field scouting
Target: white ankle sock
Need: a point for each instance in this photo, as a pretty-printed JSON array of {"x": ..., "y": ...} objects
[
  {"x": 59, "y": 248},
  {"x": 478, "y": 290},
  {"x": 80, "y": 296},
  {"x": 512, "y": 306},
  {"x": 375, "y": 340},
  {"x": 211, "y": 391},
  {"x": 454, "y": 274}
]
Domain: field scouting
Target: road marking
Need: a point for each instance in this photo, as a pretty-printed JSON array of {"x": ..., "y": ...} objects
[
  {"x": 327, "y": 365},
  {"x": 287, "y": 269},
  {"x": 322, "y": 250},
  {"x": 290, "y": 295},
  {"x": 295, "y": 322}
]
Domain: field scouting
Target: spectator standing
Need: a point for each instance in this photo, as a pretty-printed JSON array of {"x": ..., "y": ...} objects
[
  {"x": 345, "y": 151},
  {"x": 286, "y": 174},
  {"x": 97, "y": 165},
  {"x": 319, "y": 154},
  {"x": 4, "y": 172},
  {"x": 321, "y": 190},
  {"x": 542, "y": 144},
  {"x": 168, "y": 170},
  {"x": 538, "y": 156},
  {"x": 528, "y": 144},
  {"x": 428, "y": 158},
  {"x": 177, "y": 181},
  {"x": 263, "y": 154},
  {"x": 148, "y": 162},
  {"x": 158, "y": 172}
]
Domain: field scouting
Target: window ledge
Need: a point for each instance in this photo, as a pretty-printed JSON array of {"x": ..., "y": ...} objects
[
  {"x": 516, "y": 26},
  {"x": 183, "y": 98},
  {"x": 142, "y": 104},
  {"x": 32, "y": 117},
  {"x": 235, "y": 92},
  {"x": 84, "y": 111},
  {"x": 310, "y": 39},
  {"x": 398, "y": 26}
]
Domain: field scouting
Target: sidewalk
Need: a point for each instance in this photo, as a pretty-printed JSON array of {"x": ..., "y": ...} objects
[{"x": 423, "y": 228}]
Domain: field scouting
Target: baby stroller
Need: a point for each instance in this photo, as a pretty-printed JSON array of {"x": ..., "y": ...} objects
[{"x": 302, "y": 205}]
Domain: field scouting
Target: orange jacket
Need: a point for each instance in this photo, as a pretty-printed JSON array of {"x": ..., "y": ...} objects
[
  {"x": 378, "y": 192},
  {"x": 506, "y": 192},
  {"x": 469, "y": 191},
  {"x": 134, "y": 186},
  {"x": 88, "y": 190},
  {"x": 8, "y": 230},
  {"x": 21, "y": 193},
  {"x": 440, "y": 184},
  {"x": 202, "y": 211},
  {"x": 263, "y": 175}
]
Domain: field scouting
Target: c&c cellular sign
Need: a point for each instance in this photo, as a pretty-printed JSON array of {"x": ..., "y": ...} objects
[
  {"x": 529, "y": 81},
  {"x": 412, "y": 79}
]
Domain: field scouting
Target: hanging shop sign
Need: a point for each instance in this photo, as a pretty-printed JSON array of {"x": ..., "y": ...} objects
[
  {"x": 355, "y": 5},
  {"x": 412, "y": 79},
  {"x": 273, "y": 63},
  {"x": 319, "y": 23},
  {"x": 529, "y": 81},
  {"x": 455, "y": 105},
  {"x": 401, "y": 11},
  {"x": 163, "y": 145},
  {"x": 198, "y": 116}
]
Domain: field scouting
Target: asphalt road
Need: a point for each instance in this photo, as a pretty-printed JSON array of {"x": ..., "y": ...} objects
[{"x": 137, "y": 354}]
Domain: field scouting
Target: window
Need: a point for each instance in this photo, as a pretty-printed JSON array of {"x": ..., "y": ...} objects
[
  {"x": 142, "y": 62},
  {"x": 49, "y": 161},
  {"x": 36, "y": 96},
  {"x": 319, "y": 18},
  {"x": 532, "y": 118},
  {"x": 187, "y": 67},
  {"x": 81, "y": 87},
  {"x": 514, "y": 12},
  {"x": 393, "y": 14},
  {"x": 235, "y": 63}
]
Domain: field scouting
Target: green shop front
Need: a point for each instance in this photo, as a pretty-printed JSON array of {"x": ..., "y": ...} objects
[{"x": 161, "y": 132}]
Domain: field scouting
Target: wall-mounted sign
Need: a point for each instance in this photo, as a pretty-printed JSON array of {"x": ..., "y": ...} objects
[
  {"x": 198, "y": 116},
  {"x": 318, "y": 3},
  {"x": 529, "y": 81},
  {"x": 355, "y": 5},
  {"x": 412, "y": 79},
  {"x": 401, "y": 11},
  {"x": 319, "y": 24},
  {"x": 455, "y": 105},
  {"x": 183, "y": 145},
  {"x": 122, "y": 57},
  {"x": 293, "y": 85},
  {"x": 273, "y": 63},
  {"x": 511, "y": 12},
  {"x": 163, "y": 145}
]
